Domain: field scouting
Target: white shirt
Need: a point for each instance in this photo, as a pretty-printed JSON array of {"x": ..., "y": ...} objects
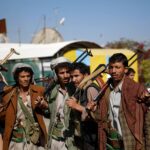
[{"x": 115, "y": 101}]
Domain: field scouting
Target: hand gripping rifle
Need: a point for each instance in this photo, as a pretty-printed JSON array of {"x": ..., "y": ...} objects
[{"x": 86, "y": 81}]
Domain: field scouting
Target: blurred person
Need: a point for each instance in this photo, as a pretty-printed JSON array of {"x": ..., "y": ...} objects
[
  {"x": 3, "y": 83},
  {"x": 24, "y": 125},
  {"x": 130, "y": 73},
  {"x": 89, "y": 128}
]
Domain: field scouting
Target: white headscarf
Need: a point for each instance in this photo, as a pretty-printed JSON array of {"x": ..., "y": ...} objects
[
  {"x": 20, "y": 65},
  {"x": 57, "y": 61}
]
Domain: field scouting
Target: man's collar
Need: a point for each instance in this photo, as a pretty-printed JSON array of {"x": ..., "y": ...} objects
[
  {"x": 27, "y": 93},
  {"x": 118, "y": 88},
  {"x": 63, "y": 91}
]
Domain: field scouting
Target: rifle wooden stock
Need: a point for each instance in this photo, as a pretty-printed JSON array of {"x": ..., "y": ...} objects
[{"x": 92, "y": 76}]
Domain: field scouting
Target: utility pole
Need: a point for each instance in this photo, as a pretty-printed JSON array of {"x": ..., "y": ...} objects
[{"x": 44, "y": 29}]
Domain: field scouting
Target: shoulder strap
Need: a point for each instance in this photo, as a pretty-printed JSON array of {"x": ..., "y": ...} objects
[
  {"x": 94, "y": 85},
  {"x": 52, "y": 108},
  {"x": 83, "y": 99},
  {"x": 25, "y": 111}
]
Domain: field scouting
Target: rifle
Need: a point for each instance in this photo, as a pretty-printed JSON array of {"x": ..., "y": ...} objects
[
  {"x": 12, "y": 51},
  {"x": 83, "y": 56},
  {"x": 138, "y": 51},
  {"x": 102, "y": 91},
  {"x": 100, "y": 69}
]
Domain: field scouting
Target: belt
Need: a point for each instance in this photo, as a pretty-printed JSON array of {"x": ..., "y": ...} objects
[
  {"x": 116, "y": 144},
  {"x": 58, "y": 138}
]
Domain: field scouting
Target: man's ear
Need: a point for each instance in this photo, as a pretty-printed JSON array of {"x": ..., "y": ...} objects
[
  {"x": 86, "y": 74},
  {"x": 126, "y": 69}
]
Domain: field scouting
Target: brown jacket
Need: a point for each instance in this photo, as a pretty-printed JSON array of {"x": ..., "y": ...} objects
[
  {"x": 8, "y": 114},
  {"x": 133, "y": 113}
]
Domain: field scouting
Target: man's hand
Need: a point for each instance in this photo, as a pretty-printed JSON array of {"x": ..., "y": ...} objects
[
  {"x": 72, "y": 102},
  {"x": 145, "y": 97},
  {"x": 91, "y": 105},
  {"x": 41, "y": 103}
]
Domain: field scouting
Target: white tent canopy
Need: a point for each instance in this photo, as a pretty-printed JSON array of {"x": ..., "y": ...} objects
[{"x": 42, "y": 50}]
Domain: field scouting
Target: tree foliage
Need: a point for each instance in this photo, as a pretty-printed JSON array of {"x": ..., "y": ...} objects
[
  {"x": 123, "y": 43},
  {"x": 145, "y": 66}
]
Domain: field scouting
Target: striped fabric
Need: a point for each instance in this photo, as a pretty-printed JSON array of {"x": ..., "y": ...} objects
[{"x": 128, "y": 139}]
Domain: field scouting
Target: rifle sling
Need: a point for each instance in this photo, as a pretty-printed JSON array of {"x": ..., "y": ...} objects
[{"x": 25, "y": 111}]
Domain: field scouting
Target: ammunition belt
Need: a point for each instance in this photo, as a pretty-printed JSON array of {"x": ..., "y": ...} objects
[{"x": 18, "y": 135}]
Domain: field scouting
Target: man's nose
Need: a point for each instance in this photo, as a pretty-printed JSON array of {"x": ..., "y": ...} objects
[
  {"x": 67, "y": 75},
  {"x": 73, "y": 79},
  {"x": 113, "y": 70},
  {"x": 26, "y": 78}
]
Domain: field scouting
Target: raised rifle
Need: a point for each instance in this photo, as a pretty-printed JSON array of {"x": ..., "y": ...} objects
[
  {"x": 12, "y": 51},
  {"x": 139, "y": 53},
  {"x": 83, "y": 56}
]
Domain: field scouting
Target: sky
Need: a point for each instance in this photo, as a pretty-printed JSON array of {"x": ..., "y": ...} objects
[{"x": 99, "y": 21}]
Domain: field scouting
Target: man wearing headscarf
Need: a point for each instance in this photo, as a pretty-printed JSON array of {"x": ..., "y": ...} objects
[
  {"x": 24, "y": 125},
  {"x": 62, "y": 126}
]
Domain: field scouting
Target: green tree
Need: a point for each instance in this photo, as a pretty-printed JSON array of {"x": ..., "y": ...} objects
[
  {"x": 145, "y": 65},
  {"x": 123, "y": 43}
]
